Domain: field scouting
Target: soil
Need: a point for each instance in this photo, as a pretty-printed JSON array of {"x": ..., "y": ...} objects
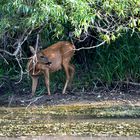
[{"x": 118, "y": 95}]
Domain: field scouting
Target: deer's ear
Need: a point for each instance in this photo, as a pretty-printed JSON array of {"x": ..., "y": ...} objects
[{"x": 32, "y": 49}]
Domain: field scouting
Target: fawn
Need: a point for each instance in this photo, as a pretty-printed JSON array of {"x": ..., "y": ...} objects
[{"x": 51, "y": 59}]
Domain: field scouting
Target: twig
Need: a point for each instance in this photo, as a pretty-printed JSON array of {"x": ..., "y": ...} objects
[
  {"x": 1, "y": 84},
  {"x": 11, "y": 99},
  {"x": 36, "y": 46},
  {"x": 34, "y": 57},
  {"x": 21, "y": 71},
  {"x": 20, "y": 41},
  {"x": 4, "y": 59},
  {"x": 131, "y": 83},
  {"x": 127, "y": 82},
  {"x": 33, "y": 100},
  {"x": 87, "y": 48}
]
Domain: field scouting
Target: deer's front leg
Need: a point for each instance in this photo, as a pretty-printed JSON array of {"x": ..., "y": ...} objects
[
  {"x": 34, "y": 84},
  {"x": 47, "y": 81}
]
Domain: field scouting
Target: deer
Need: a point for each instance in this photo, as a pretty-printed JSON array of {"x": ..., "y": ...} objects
[{"x": 49, "y": 60}]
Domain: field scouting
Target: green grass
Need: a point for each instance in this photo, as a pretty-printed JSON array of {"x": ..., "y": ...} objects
[{"x": 119, "y": 61}]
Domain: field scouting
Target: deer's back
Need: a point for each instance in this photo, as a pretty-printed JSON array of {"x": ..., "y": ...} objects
[{"x": 58, "y": 53}]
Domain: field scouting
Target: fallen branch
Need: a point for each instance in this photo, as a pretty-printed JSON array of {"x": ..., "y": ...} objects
[
  {"x": 131, "y": 83},
  {"x": 32, "y": 100},
  {"x": 127, "y": 82}
]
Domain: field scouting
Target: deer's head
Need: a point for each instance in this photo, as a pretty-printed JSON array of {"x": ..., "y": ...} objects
[{"x": 39, "y": 57}]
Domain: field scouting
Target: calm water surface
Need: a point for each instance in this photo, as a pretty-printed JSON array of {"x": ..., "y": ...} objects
[{"x": 70, "y": 138}]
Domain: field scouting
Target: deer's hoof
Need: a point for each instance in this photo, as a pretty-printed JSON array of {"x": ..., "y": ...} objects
[
  {"x": 32, "y": 94},
  {"x": 64, "y": 92}
]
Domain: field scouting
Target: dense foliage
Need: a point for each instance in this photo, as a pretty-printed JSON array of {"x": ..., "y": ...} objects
[
  {"x": 107, "y": 17},
  {"x": 93, "y": 21}
]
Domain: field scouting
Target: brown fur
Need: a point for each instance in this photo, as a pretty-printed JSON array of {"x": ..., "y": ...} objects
[{"x": 51, "y": 59}]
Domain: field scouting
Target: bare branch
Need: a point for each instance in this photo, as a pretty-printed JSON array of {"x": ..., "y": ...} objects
[
  {"x": 4, "y": 59},
  {"x": 87, "y": 48},
  {"x": 21, "y": 71},
  {"x": 1, "y": 50},
  {"x": 18, "y": 48},
  {"x": 20, "y": 41},
  {"x": 32, "y": 100},
  {"x": 36, "y": 46}
]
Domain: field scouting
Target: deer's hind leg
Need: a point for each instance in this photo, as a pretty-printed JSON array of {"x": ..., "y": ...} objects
[
  {"x": 66, "y": 69},
  {"x": 71, "y": 71}
]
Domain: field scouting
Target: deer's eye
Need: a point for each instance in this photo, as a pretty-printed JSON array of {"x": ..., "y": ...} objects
[{"x": 42, "y": 56}]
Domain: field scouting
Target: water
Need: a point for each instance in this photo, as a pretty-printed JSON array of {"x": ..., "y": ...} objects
[
  {"x": 70, "y": 123},
  {"x": 70, "y": 138}
]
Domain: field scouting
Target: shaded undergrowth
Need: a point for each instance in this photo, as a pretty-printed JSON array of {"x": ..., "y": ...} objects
[{"x": 116, "y": 62}]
